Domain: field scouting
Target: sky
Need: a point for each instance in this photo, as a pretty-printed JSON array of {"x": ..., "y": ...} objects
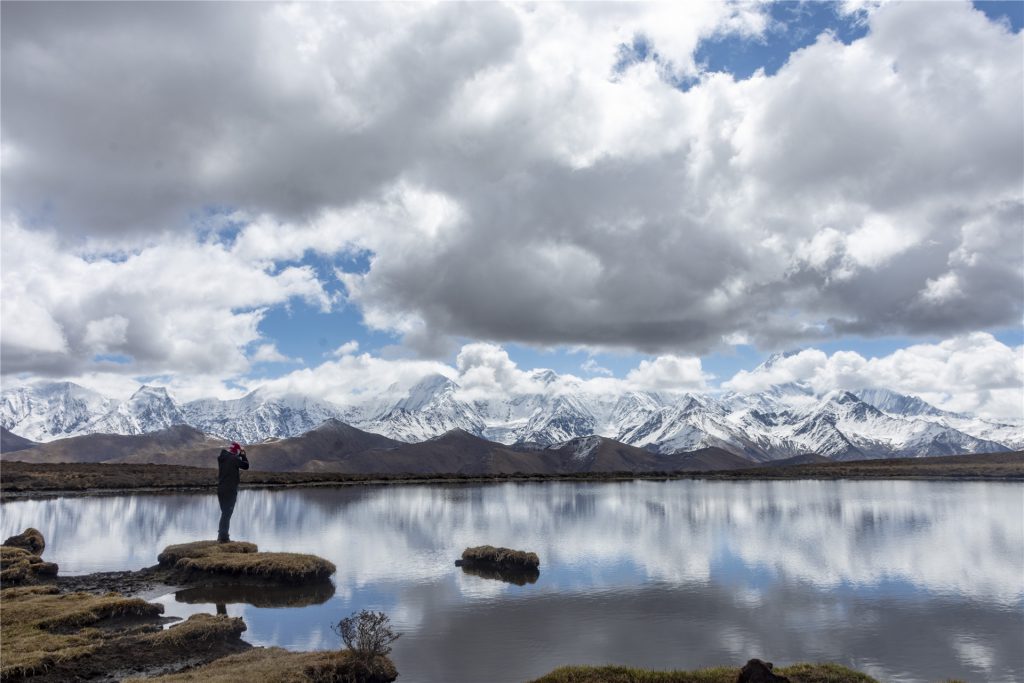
[{"x": 338, "y": 199}]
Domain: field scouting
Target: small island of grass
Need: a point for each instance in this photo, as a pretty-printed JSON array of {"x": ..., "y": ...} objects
[
  {"x": 245, "y": 560},
  {"x": 796, "y": 673}
]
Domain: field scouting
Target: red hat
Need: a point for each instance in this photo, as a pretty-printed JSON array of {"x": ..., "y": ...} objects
[{"x": 235, "y": 447}]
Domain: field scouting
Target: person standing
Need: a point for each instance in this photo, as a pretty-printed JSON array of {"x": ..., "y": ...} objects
[{"x": 229, "y": 462}]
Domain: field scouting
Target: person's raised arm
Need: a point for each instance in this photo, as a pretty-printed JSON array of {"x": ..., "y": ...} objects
[{"x": 243, "y": 462}]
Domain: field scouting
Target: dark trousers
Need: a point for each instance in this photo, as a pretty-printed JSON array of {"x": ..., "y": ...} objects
[{"x": 227, "y": 506}]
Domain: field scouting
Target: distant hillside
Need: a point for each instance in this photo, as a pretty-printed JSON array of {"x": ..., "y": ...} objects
[
  {"x": 459, "y": 452},
  {"x": 166, "y": 445},
  {"x": 336, "y": 447},
  {"x": 10, "y": 442},
  {"x": 805, "y": 459}
]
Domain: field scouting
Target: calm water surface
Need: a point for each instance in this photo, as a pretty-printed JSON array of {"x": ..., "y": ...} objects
[{"x": 904, "y": 580}]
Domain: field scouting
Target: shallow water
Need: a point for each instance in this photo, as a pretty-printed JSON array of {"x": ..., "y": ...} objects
[{"x": 904, "y": 580}]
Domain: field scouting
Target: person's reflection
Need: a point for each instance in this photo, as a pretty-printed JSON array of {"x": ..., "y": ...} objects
[{"x": 222, "y": 608}]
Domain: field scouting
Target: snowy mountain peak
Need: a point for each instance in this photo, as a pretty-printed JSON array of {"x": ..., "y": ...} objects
[
  {"x": 775, "y": 358},
  {"x": 544, "y": 376},
  {"x": 785, "y": 420},
  {"x": 898, "y": 404},
  {"x": 426, "y": 391}
]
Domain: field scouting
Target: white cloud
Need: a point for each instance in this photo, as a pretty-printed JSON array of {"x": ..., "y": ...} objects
[
  {"x": 177, "y": 307},
  {"x": 592, "y": 367},
  {"x": 356, "y": 378},
  {"x": 942, "y": 288},
  {"x": 877, "y": 241},
  {"x": 668, "y": 373},
  {"x": 501, "y": 180},
  {"x": 973, "y": 373},
  {"x": 486, "y": 371},
  {"x": 347, "y": 349},
  {"x": 268, "y": 353}
]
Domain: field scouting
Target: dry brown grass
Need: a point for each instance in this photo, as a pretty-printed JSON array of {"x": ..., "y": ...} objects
[
  {"x": 41, "y": 628},
  {"x": 197, "y": 629},
  {"x": 243, "y": 559},
  {"x": 172, "y": 554},
  {"x": 276, "y": 664},
  {"x": 292, "y": 567},
  {"x": 797, "y": 673},
  {"x": 499, "y": 557},
  {"x": 30, "y": 539},
  {"x": 32, "y": 479},
  {"x": 20, "y": 566}
]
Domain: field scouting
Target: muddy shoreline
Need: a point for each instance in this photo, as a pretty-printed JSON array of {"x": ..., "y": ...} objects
[{"x": 102, "y": 626}]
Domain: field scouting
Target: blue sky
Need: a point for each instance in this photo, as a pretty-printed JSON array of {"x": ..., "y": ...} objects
[{"x": 604, "y": 190}]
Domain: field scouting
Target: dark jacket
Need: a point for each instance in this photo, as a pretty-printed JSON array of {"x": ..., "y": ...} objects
[{"x": 228, "y": 465}]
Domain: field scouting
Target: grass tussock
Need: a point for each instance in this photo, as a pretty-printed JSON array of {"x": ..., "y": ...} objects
[
  {"x": 244, "y": 559},
  {"x": 196, "y": 630},
  {"x": 41, "y": 628},
  {"x": 30, "y": 539},
  {"x": 277, "y": 664},
  {"x": 797, "y": 673},
  {"x": 486, "y": 555},
  {"x": 18, "y": 565},
  {"x": 173, "y": 553}
]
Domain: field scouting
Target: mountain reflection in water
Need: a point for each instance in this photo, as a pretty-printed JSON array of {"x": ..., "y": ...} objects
[{"x": 905, "y": 580}]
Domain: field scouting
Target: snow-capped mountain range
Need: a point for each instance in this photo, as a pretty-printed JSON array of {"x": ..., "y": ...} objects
[{"x": 781, "y": 422}]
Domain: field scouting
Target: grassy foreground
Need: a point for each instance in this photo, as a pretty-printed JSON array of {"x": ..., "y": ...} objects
[
  {"x": 52, "y": 636},
  {"x": 797, "y": 673},
  {"x": 277, "y": 664}
]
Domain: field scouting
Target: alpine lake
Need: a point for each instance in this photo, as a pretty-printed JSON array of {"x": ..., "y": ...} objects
[{"x": 904, "y": 580}]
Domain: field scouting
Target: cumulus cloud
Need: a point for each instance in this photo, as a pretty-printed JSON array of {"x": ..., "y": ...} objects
[
  {"x": 269, "y": 353},
  {"x": 356, "y": 378},
  {"x": 504, "y": 177},
  {"x": 973, "y": 373},
  {"x": 347, "y": 349},
  {"x": 592, "y": 367},
  {"x": 178, "y": 307},
  {"x": 668, "y": 373}
]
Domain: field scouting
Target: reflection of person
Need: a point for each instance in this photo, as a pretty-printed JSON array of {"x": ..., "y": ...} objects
[{"x": 229, "y": 462}]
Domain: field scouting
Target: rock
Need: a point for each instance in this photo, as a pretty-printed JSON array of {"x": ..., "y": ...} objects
[
  {"x": 30, "y": 539},
  {"x": 756, "y": 671}
]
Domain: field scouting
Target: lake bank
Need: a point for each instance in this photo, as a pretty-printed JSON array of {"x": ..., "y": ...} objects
[{"x": 33, "y": 480}]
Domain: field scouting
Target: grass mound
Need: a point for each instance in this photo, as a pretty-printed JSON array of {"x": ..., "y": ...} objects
[
  {"x": 489, "y": 556},
  {"x": 244, "y": 559},
  {"x": 18, "y": 565},
  {"x": 277, "y": 664},
  {"x": 797, "y": 673},
  {"x": 41, "y": 628},
  {"x": 173, "y": 553},
  {"x": 20, "y": 561},
  {"x": 198, "y": 628},
  {"x": 30, "y": 539}
]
